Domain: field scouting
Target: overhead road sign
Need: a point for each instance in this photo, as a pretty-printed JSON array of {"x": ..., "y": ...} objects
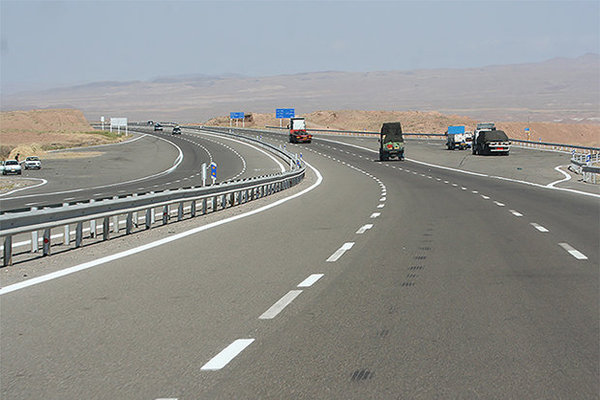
[
  {"x": 118, "y": 123},
  {"x": 285, "y": 113},
  {"x": 236, "y": 115}
]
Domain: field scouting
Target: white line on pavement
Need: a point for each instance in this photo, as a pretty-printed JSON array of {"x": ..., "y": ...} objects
[
  {"x": 280, "y": 304},
  {"x": 381, "y": 206},
  {"x": 575, "y": 253},
  {"x": 227, "y": 354},
  {"x": 339, "y": 252},
  {"x": 308, "y": 282},
  {"x": 485, "y": 197},
  {"x": 160, "y": 242},
  {"x": 375, "y": 215},
  {"x": 499, "y": 204},
  {"x": 539, "y": 227},
  {"x": 516, "y": 213},
  {"x": 364, "y": 228}
]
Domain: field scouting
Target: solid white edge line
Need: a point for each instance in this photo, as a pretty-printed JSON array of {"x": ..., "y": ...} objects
[
  {"x": 27, "y": 187},
  {"x": 226, "y": 355},
  {"x": 139, "y": 249},
  {"x": 572, "y": 251},
  {"x": 476, "y": 173},
  {"x": 178, "y": 161},
  {"x": 282, "y": 303},
  {"x": 308, "y": 282},
  {"x": 566, "y": 178},
  {"x": 247, "y": 144}
]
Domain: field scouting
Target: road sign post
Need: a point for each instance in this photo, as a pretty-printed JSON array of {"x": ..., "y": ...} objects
[
  {"x": 203, "y": 174},
  {"x": 213, "y": 172},
  {"x": 281, "y": 113}
]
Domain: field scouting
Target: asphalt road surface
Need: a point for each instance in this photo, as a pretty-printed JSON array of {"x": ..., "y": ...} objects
[
  {"x": 150, "y": 162},
  {"x": 379, "y": 280}
]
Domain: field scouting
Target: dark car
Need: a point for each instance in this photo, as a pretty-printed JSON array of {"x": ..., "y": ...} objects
[
  {"x": 176, "y": 131},
  {"x": 158, "y": 127}
]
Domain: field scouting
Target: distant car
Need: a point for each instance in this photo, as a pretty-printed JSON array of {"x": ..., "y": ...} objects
[
  {"x": 157, "y": 127},
  {"x": 32, "y": 162},
  {"x": 150, "y": 122},
  {"x": 176, "y": 131},
  {"x": 11, "y": 167}
]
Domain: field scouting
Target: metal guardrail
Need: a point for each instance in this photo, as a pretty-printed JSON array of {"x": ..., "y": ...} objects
[
  {"x": 363, "y": 133},
  {"x": 583, "y": 164},
  {"x": 125, "y": 210}
]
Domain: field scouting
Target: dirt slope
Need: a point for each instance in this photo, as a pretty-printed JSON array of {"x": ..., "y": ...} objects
[{"x": 36, "y": 131}]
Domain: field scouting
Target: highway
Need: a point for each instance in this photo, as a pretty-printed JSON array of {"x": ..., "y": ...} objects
[{"x": 370, "y": 280}]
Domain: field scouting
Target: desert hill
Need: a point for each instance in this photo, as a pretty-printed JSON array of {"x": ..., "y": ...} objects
[
  {"x": 557, "y": 90},
  {"x": 36, "y": 131}
]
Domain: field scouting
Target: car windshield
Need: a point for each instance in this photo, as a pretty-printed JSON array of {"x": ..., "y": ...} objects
[
  {"x": 32, "y": 159},
  {"x": 12, "y": 163}
]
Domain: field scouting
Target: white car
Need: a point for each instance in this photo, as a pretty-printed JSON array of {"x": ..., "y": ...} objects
[
  {"x": 32, "y": 163},
  {"x": 11, "y": 167}
]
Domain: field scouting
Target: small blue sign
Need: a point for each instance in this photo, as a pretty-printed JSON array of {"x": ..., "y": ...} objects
[
  {"x": 213, "y": 170},
  {"x": 236, "y": 115},
  {"x": 526, "y": 129},
  {"x": 453, "y": 130},
  {"x": 588, "y": 158},
  {"x": 285, "y": 113}
]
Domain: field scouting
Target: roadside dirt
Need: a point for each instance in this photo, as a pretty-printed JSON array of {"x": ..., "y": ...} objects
[{"x": 35, "y": 132}]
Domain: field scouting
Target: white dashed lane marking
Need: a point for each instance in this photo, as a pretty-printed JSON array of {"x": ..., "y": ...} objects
[
  {"x": 575, "y": 253},
  {"x": 381, "y": 206},
  {"x": 499, "y": 204},
  {"x": 308, "y": 282},
  {"x": 539, "y": 227},
  {"x": 340, "y": 252},
  {"x": 227, "y": 354},
  {"x": 364, "y": 228},
  {"x": 375, "y": 215},
  {"x": 485, "y": 197},
  {"x": 280, "y": 304},
  {"x": 516, "y": 213}
]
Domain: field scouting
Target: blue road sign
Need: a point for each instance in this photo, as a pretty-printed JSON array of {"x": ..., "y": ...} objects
[
  {"x": 285, "y": 113},
  {"x": 236, "y": 115},
  {"x": 213, "y": 170},
  {"x": 526, "y": 129}
]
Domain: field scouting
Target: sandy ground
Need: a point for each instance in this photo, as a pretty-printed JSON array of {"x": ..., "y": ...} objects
[{"x": 431, "y": 122}]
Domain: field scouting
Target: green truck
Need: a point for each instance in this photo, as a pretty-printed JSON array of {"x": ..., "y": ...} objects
[{"x": 391, "y": 142}]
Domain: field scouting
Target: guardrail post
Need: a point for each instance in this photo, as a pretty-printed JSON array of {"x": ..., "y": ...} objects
[
  {"x": 148, "y": 218},
  {"x": 180, "y": 211},
  {"x": 165, "y": 214},
  {"x": 193, "y": 209},
  {"x": 204, "y": 206},
  {"x": 105, "y": 228},
  {"x": 116, "y": 224},
  {"x": 92, "y": 228},
  {"x": 47, "y": 242},
  {"x": 34, "y": 242},
  {"x": 78, "y": 234},
  {"x": 129, "y": 223},
  {"x": 214, "y": 204},
  {"x": 67, "y": 236},
  {"x": 223, "y": 202},
  {"x": 7, "y": 251}
]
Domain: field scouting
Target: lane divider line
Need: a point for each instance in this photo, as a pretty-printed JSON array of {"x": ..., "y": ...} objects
[
  {"x": 280, "y": 304},
  {"x": 572, "y": 251},
  {"x": 375, "y": 215},
  {"x": 516, "y": 213},
  {"x": 485, "y": 197},
  {"x": 499, "y": 204},
  {"x": 226, "y": 355},
  {"x": 381, "y": 206},
  {"x": 364, "y": 228},
  {"x": 160, "y": 242},
  {"x": 308, "y": 282},
  {"x": 340, "y": 252},
  {"x": 539, "y": 227}
]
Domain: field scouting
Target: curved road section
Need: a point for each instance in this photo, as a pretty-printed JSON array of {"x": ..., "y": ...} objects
[{"x": 387, "y": 280}]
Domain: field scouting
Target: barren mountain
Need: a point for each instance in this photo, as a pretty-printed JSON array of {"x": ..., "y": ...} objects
[{"x": 555, "y": 90}]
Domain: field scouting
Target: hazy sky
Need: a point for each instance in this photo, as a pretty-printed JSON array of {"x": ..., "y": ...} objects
[{"x": 47, "y": 43}]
